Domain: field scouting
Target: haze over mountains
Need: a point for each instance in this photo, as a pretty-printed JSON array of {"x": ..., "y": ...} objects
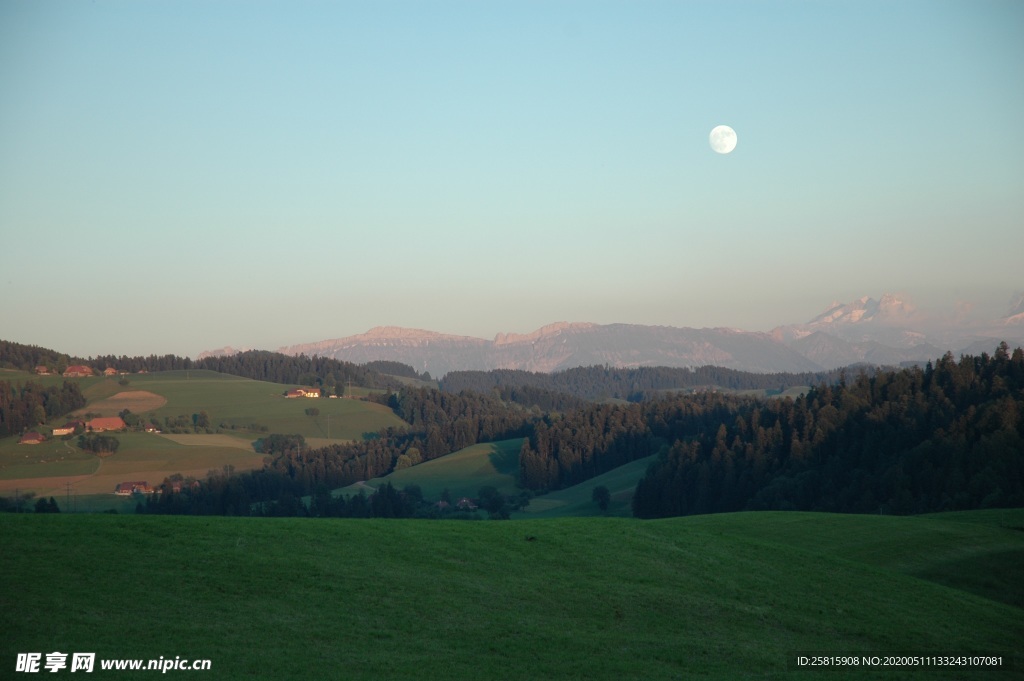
[{"x": 886, "y": 331}]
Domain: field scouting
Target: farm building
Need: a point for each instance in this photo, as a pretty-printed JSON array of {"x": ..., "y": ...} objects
[
  {"x": 31, "y": 438},
  {"x": 110, "y": 371},
  {"x": 42, "y": 371},
  {"x": 77, "y": 371},
  {"x": 138, "y": 487},
  {"x": 100, "y": 424},
  {"x": 303, "y": 392},
  {"x": 66, "y": 429}
]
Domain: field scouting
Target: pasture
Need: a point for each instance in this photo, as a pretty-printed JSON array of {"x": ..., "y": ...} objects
[
  {"x": 238, "y": 403},
  {"x": 496, "y": 464},
  {"x": 234, "y": 406},
  {"x": 578, "y": 499},
  {"x": 462, "y": 473},
  {"x": 141, "y": 456},
  {"x": 731, "y": 596}
]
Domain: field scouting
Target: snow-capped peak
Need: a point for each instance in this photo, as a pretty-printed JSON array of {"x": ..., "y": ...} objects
[{"x": 889, "y": 308}]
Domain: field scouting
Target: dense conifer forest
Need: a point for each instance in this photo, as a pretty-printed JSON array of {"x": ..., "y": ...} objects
[{"x": 948, "y": 437}]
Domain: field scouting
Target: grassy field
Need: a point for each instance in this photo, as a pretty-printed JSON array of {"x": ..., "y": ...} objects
[
  {"x": 732, "y": 596},
  {"x": 241, "y": 402},
  {"x": 578, "y": 499},
  {"x": 141, "y": 456},
  {"x": 462, "y": 473},
  {"x": 236, "y": 403}
]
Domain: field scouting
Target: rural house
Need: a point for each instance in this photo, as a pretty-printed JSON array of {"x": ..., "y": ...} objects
[
  {"x": 31, "y": 438},
  {"x": 137, "y": 487},
  {"x": 110, "y": 371},
  {"x": 77, "y": 371},
  {"x": 66, "y": 429},
  {"x": 100, "y": 424},
  {"x": 303, "y": 392}
]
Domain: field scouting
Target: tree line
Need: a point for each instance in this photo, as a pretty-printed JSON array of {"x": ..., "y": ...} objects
[
  {"x": 23, "y": 504},
  {"x": 392, "y": 368},
  {"x": 635, "y": 385},
  {"x": 260, "y": 365},
  {"x": 386, "y": 501},
  {"x": 27, "y": 405}
]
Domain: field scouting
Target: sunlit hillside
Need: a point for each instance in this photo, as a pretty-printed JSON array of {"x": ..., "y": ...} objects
[{"x": 237, "y": 412}]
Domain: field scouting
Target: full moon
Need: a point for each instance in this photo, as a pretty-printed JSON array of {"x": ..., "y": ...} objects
[{"x": 723, "y": 139}]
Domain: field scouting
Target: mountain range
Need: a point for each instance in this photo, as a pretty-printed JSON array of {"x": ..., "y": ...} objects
[{"x": 887, "y": 331}]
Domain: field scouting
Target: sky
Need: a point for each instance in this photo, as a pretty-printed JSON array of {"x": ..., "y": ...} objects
[{"x": 177, "y": 176}]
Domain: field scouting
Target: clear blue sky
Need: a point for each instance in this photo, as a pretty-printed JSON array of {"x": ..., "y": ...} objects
[{"x": 177, "y": 176}]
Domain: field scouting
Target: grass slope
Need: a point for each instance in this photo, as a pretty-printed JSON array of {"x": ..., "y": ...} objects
[
  {"x": 462, "y": 473},
  {"x": 578, "y": 499},
  {"x": 241, "y": 402},
  {"x": 717, "y": 597},
  {"x": 978, "y": 551}
]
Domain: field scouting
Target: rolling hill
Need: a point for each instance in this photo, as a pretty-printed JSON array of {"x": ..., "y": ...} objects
[
  {"x": 729, "y": 596},
  {"x": 239, "y": 410}
]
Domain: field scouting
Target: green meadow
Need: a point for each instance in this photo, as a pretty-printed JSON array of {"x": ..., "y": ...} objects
[
  {"x": 462, "y": 473},
  {"x": 578, "y": 500},
  {"x": 241, "y": 402},
  {"x": 732, "y": 596},
  {"x": 234, "y": 405},
  {"x": 496, "y": 464}
]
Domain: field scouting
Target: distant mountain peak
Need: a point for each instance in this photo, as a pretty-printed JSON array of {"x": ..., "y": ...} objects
[
  {"x": 884, "y": 331},
  {"x": 403, "y": 333},
  {"x": 890, "y": 308},
  {"x": 1015, "y": 315},
  {"x": 226, "y": 351},
  {"x": 563, "y": 345},
  {"x": 381, "y": 336},
  {"x": 543, "y": 332}
]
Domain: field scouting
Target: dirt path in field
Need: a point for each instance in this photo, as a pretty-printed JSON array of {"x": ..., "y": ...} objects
[
  {"x": 190, "y": 440},
  {"x": 136, "y": 401}
]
